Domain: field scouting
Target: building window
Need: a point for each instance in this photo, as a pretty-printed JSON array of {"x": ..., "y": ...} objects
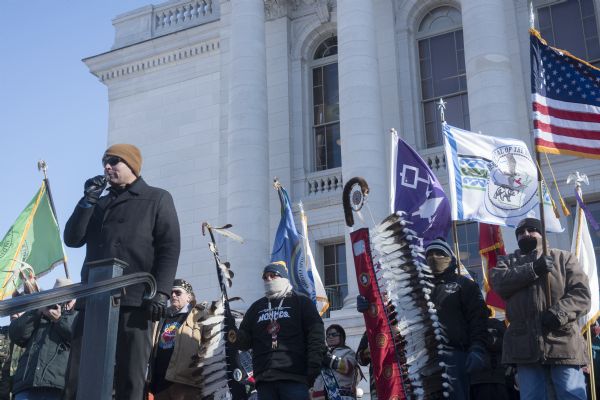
[
  {"x": 571, "y": 25},
  {"x": 442, "y": 69},
  {"x": 334, "y": 274},
  {"x": 326, "y": 106},
  {"x": 468, "y": 245}
]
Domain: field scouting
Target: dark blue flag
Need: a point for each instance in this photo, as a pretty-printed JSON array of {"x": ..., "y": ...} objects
[{"x": 420, "y": 195}]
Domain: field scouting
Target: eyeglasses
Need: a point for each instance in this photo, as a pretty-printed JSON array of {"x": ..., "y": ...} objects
[
  {"x": 111, "y": 160},
  {"x": 270, "y": 275},
  {"x": 333, "y": 334},
  {"x": 177, "y": 292}
]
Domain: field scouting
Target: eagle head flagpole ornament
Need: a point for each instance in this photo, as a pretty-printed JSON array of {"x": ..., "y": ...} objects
[
  {"x": 217, "y": 358},
  {"x": 401, "y": 322}
]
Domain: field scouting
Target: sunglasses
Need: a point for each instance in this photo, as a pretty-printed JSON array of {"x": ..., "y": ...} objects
[
  {"x": 177, "y": 292},
  {"x": 111, "y": 160},
  {"x": 333, "y": 334}
]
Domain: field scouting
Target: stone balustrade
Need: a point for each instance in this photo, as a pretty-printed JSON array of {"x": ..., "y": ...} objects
[
  {"x": 325, "y": 182},
  {"x": 182, "y": 15},
  {"x": 435, "y": 158}
]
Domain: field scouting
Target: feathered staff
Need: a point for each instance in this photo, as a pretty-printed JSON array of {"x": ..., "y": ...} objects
[
  {"x": 404, "y": 335},
  {"x": 214, "y": 349}
]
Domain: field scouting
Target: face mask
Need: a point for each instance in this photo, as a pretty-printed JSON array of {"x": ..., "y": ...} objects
[
  {"x": 438, "y": 264},
  {"x": 527, "y": 244},
  {"x": 276, "y": 287}
]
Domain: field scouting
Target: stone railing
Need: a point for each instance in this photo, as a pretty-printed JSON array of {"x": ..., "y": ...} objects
[
  {"x": 182, "y": 15},
  {"x": 154, "y": 21},
  {"x": 435, "y": 158},
  {"x": 325, "y": 182}
]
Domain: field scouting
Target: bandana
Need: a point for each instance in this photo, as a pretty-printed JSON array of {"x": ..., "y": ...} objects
[
  {"x": 438, "y": 264},
  {"x": 277, "y": 288}
]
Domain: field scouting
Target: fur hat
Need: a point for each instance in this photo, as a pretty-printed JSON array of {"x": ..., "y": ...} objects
[
  {"x": 278, "y": 268},
  {"x": 130, "y": 155},
  {"x": 182, "y": 284},
  {"x": 531, "y": 223},
  {"x": 442, "y": 245}
]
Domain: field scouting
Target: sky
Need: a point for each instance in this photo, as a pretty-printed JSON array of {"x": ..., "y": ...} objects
[{"x": 51, "y": 106}]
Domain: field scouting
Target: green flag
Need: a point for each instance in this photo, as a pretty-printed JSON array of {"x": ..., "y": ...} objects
[{"x": 33, "y": 240}]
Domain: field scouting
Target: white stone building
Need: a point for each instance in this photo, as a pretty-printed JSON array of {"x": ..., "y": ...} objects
[{"x": 223, "y": 95}]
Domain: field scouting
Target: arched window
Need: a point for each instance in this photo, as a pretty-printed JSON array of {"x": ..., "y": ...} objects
[
  {"x": 571, "y": 25},
  {"x": 326, "y": 106},
  {"x": 442, "y": 68}
]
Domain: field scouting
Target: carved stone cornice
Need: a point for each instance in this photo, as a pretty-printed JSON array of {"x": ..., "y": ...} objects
[{"x": 278, "y": 8}]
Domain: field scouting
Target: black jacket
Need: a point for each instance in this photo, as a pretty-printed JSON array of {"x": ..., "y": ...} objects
[
  {"x": 47, "y": 345},
  {"x": 139, "y": 226},
  {"x": 461, "y": 309},
  {"x": 300, "y": 341}
]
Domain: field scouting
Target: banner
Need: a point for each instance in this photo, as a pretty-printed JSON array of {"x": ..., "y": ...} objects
[
  {"x": 583, "y": 248},
  {"x": 419, "y": 194},
  {"x": 493, "y": 180},
  {"x": 491, "y": 246},
  {"x": 32, "y": 241}
]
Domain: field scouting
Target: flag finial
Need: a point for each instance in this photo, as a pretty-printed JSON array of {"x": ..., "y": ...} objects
[
  {"x": 441, "y": 105},
  {"x": 276, "y": 183},
  {"x": 578, "y": 178}
]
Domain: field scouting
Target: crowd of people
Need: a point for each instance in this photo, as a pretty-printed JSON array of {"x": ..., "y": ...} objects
[{"x": 541, "y": 354}]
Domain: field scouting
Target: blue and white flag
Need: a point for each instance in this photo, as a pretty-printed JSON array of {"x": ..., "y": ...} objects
[
  {"x": 416, "y": 191},
  {"x": 287, "y": 247},
  {"x": 493, "y": 180}
]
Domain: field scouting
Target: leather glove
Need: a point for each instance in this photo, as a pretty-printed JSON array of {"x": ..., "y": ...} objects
[
  {"x": 156, "y": 308},
  {"x": 93, "y": 187},
  {"x": 477, "y": 359},
  {"x": 550, "y": 321},
  {"x": 543, "y": 265},
  {"x": 362, "y": 304}
]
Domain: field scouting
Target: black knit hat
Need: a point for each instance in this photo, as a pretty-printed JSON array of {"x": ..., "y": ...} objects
[
  {"x": 440, "y": 244},
  {"x": 530, "y": 223}
]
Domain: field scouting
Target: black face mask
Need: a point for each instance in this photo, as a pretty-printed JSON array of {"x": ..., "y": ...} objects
[{"x": 527, "y": 244}]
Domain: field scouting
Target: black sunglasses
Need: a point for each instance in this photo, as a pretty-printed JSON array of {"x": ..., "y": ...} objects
[
  {"x": 522, "y": 230},
  {"x": 111, "y": 160},
  {"x": 333, "y": 334}
]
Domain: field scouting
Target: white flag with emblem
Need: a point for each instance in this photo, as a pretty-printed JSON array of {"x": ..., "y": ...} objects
[{"x": 493, "y": 180}]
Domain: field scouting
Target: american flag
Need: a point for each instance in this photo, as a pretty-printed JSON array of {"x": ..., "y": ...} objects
[{"x": 565, "y": 94}]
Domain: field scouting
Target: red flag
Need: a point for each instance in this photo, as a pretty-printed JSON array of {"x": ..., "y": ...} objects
[
  {"x": 386, "y": 368},
  {"x": 490, "y": 247}
]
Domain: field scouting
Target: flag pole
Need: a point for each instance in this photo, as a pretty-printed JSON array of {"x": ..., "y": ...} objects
[
  {"x": 42, "y": 166},
  {"x": 393, "y": 160},
  {"x": 441, "y": 105}
]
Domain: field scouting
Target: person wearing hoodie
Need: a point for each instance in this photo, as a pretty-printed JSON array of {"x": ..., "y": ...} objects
[
  {"x": 286, "y": 335},
  {"x": 463, "y": 315},
  {"x": 546, "y": 293}
]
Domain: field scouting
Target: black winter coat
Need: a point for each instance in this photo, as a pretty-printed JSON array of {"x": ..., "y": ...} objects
[
  {"x": 301, "y": 339},
  {"x": 139, "y": 226},
  {"x": 47, "y": 346},
  {"x": 460, "y": 309}
]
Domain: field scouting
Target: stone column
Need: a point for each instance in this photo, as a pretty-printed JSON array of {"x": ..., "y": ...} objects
[
  {"x": 362, "y": 134},
  {"x": 248, "y": 183},
  {"x": 492, "y": 95}
]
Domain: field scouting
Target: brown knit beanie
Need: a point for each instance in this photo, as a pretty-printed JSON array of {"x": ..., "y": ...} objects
[{"x": 129, "y": 154}]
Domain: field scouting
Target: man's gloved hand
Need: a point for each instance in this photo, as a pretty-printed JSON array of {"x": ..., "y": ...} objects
[
  {"x": 362, "y": 304},
  {"x": 93, "y": 187},
  {"x": 543, "y": 265},
  {"x": 477, "y": 359},
  {"x": 550, "y": 321},
  {"x": 156, "y": 308}
]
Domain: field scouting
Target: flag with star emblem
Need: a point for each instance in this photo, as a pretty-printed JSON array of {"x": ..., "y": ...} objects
[
  {"x": 419, "y": 194},
  {"x": 565, "y": 95}
]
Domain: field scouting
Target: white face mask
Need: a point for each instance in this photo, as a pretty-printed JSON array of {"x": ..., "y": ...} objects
[{"x": 276, "y": 288}]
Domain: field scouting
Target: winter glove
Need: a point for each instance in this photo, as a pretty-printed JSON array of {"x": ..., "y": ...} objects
[
  {"x": 550, "y": 321},
  {"x": 477, "y": 359},
  {"x": 92, "y": 188},
  {"x": 362, "y": 304},
  {"x": 543, "y": 265},
  {"x": 156, "y": 308}
]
